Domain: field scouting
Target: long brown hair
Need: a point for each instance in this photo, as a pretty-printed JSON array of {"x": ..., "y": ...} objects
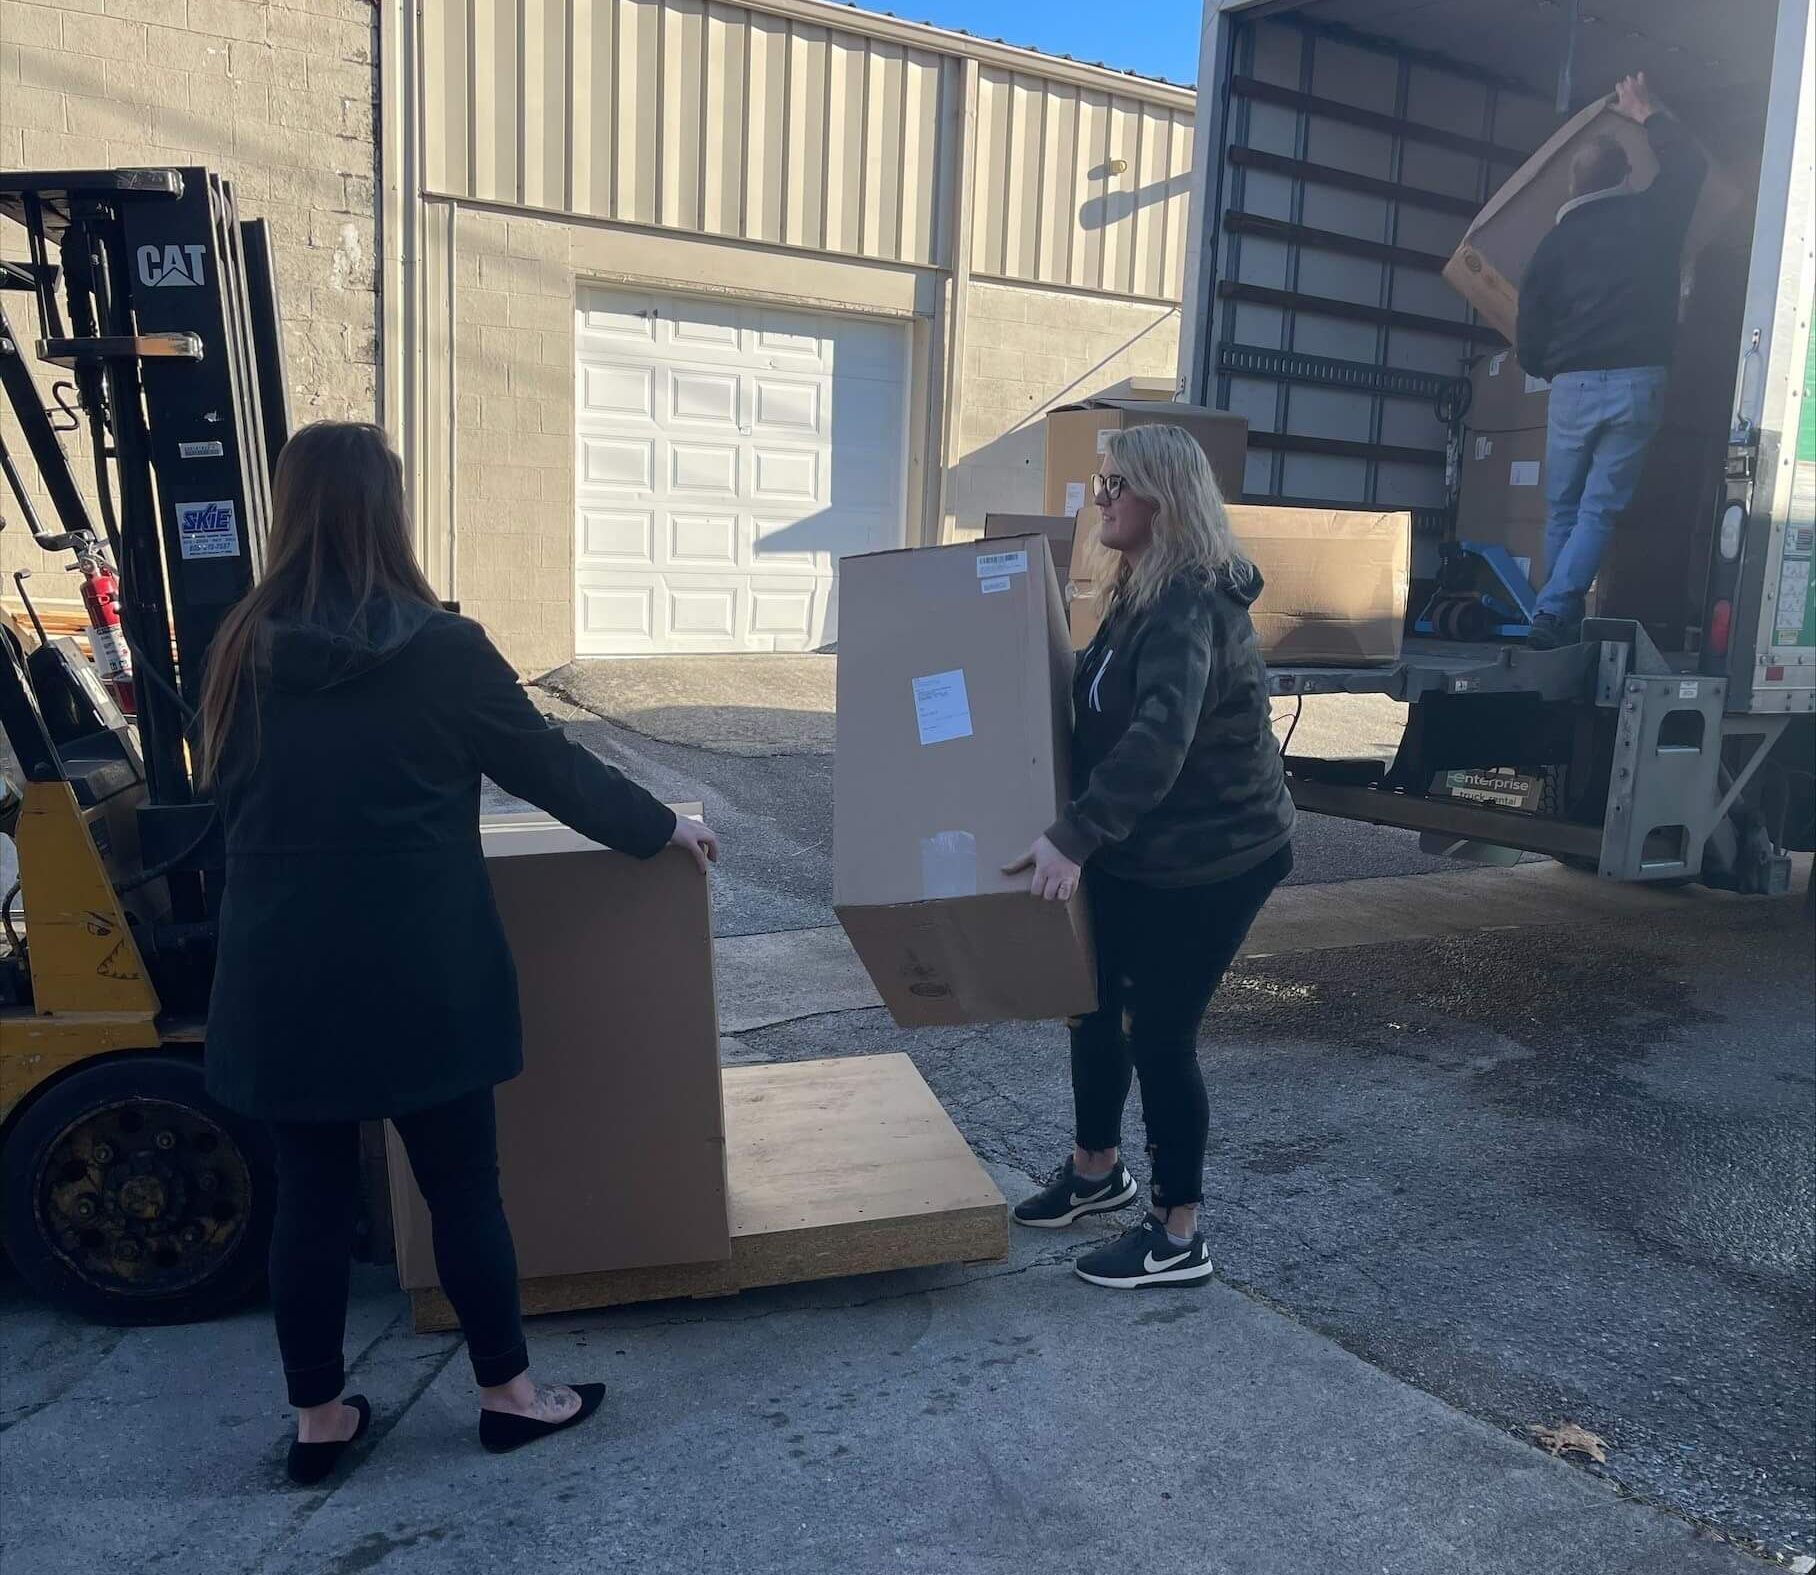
[{"x": 339, "y": 526}]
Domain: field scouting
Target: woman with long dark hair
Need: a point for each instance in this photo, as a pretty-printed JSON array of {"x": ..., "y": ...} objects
[
  {"x": 1179, "y": 826},
  {"x": 346, "y": 723}
]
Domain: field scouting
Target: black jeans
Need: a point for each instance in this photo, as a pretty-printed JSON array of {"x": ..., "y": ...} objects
[
  {"x": 1161, "y": 953},
  {"x": 454, "y": 1155}
]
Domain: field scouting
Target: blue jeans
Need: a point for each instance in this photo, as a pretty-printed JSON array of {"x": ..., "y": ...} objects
[{"x": 1598, "y": 428}]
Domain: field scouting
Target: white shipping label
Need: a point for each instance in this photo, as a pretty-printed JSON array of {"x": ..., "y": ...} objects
[
  {"x": 1495, "y": 362},
  {"x": 1103, "y": 439},
  {"x": 1523, "y": 473},
  {"x": 991, "y": 565},
  {"x": 995, "y": 587},
  {"x": 1534, "y": 385},
  {"x": 941, "y": 708},
  {"x": 1075, "y": 497},
  {"x": 208, "y": 530},
  {"x": 1484, "y": 447},
  {"x": 1793, "y": 596}
]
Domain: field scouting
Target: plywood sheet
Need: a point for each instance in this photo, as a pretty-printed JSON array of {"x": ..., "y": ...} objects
[{"x": 836, "y": 1167}]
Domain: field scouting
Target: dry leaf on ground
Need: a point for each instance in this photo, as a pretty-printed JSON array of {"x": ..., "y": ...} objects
[{"x": 1567, "y": 1438}]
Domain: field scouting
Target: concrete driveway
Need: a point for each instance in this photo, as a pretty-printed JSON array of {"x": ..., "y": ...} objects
[{"x": 1486, "y": 1157}]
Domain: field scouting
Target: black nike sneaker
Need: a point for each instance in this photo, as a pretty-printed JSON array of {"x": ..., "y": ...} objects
[
  {"x": 1065, "y": 1198},
  {"x": 1144, "y": 1256}
]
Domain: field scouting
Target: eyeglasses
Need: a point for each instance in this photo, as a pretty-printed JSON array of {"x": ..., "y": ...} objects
[{"x": 1107, "y": 489}]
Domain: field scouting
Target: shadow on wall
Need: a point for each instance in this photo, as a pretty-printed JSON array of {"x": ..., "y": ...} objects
[
  {"x": 1007, "y": 474},
  {"x": 1115, "y": 206}
]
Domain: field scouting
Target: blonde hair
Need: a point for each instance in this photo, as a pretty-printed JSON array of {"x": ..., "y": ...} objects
[{"x": 1165, "y": 466}]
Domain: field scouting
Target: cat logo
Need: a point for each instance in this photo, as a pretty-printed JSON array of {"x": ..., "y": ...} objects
[{"x": 160, "y": 265}]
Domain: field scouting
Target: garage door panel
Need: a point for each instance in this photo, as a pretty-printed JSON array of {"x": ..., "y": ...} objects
[
  {"x": 785, "y": 475},
  {"x": 699, "y": 397},
  {"x": 703, "y": 468},
  {"x": 787, "y": 407},
  {"x": 616, "y": 389},
  {"x": 618, "y": 617},
  {"x": 617, "y": 536},
  {"x": 706, "y": 540},
  {"x": 617, "y": 462},
  {"x": 728, "y": 455}
]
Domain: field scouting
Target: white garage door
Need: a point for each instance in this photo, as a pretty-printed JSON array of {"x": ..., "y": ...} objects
[{"x": 728, "y": 455}]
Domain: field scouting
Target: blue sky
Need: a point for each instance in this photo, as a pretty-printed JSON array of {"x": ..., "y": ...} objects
[{"x": 1158, "y": 38}]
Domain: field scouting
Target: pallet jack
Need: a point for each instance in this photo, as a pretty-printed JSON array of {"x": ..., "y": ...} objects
[{"x": 129, "y": 1195}]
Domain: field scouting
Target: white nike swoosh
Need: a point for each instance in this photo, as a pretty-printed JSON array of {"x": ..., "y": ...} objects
[
  {"x": 1152, "y": 1267},
  {"x": 1076, "y": 1199}
]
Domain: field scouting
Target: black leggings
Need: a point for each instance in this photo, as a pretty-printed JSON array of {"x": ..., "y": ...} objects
[
  {"x": 454, "y": 1155},
  {"x": 1161, "y": 953}
]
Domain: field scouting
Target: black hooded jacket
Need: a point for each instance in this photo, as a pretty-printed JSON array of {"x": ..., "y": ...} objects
[
  {"x": 1176, "y": 778},
  {"x": 1601, "y": 290},
  {"x": 362, "y": 970}
]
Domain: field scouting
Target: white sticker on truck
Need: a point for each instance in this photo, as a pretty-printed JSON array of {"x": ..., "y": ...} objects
[
  {"x": 942, "y": 710},
  {"x": 208, "y": 530}
]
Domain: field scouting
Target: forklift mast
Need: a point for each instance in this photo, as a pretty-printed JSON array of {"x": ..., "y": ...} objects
[{"x": 159, "y": 301}]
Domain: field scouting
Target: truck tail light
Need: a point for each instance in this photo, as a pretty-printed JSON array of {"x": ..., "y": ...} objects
[{"x": 1721, "y": 619}]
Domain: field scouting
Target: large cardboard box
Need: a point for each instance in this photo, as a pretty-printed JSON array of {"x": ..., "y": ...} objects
[
  {"x": 1503, "y": 480},
  {"x": 1504, "y": 397},
  {"x": 1491, "y": 259},
  {"x": 1076, "y": 436},
  {"x": 1335, "y": 582},
  {"x": 954, "y": 727},
  {"x": 621, "y": 1064},
  {"x": 1057, "y": 528}
]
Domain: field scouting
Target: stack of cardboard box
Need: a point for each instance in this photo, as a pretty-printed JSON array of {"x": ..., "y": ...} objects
[{"x": 1502, "y": 497}]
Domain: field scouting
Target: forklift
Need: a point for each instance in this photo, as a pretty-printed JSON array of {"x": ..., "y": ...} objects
[{"x": 128, "y": 1195}]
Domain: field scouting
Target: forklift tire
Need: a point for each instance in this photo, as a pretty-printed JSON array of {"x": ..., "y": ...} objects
[{"x": 131, "y": 1197}]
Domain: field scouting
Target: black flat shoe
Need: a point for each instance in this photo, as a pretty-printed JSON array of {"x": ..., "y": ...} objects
[
  {"x": 311, "y": 1463},
  {"x": 503, "y": 1431}
]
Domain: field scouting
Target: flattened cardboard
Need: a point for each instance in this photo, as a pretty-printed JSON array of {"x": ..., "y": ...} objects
[
  {"x": 1335, "y": 583},
  {"x": 1504, "y": 397},
  {"x": 621, "y": 1063},
  {"x": 1491, "y": 259},
  {"x": 1057, "y": 528},
  {"x": 921, "y": 830}
]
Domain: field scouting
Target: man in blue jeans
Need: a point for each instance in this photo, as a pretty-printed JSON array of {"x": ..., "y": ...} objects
[{"x": 1598, "y": 317}]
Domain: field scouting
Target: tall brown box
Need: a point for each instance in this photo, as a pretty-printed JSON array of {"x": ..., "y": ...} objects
[
  {"x": 1503, "y": 481},
  {"x": 1505, "y": 397},
  {"x": 954, "y": 726},
  {"x": 621, "y": 1063},
  {"x": 1489, "y": 263},
  {"x": 1076, "y": 435}
]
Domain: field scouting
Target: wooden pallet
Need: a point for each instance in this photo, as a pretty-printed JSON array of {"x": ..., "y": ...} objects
[{"x": 837, "y": 1167}]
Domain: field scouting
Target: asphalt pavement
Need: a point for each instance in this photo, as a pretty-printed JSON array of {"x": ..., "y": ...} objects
[{"x": 1459, "y": 1188}]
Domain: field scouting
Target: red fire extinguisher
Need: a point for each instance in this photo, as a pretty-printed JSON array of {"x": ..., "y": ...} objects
[{"x": 106, "y": 638}]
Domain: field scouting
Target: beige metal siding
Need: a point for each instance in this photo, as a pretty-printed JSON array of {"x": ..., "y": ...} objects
[
  {"x": 1051, "y": 211},
  {"x": 693, "y": 116}
]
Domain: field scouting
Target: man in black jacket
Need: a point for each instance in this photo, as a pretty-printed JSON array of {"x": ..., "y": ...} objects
[{"x": 1598, "y": 317}]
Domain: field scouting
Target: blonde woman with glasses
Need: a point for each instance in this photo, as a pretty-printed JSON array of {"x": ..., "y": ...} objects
[{"x": 1179, "y": 828}]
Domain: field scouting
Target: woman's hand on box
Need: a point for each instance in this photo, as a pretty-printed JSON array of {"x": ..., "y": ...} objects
[
  {"x": 1055, "y": 876},
  {"x": 698, "y": 838}
]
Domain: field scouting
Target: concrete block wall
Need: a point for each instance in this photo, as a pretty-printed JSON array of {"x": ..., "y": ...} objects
[
  {"x": 278, "y": 95},
  {"x": 1027, "y": 350},
  {"x": 514, "y": 433}
]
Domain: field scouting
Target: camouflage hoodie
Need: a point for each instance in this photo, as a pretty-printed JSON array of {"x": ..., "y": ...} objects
[{"x": 1176, "y": 778}]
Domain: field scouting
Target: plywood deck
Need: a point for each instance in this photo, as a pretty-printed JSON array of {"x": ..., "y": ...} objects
[{"x": 837, "y": 1167}]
